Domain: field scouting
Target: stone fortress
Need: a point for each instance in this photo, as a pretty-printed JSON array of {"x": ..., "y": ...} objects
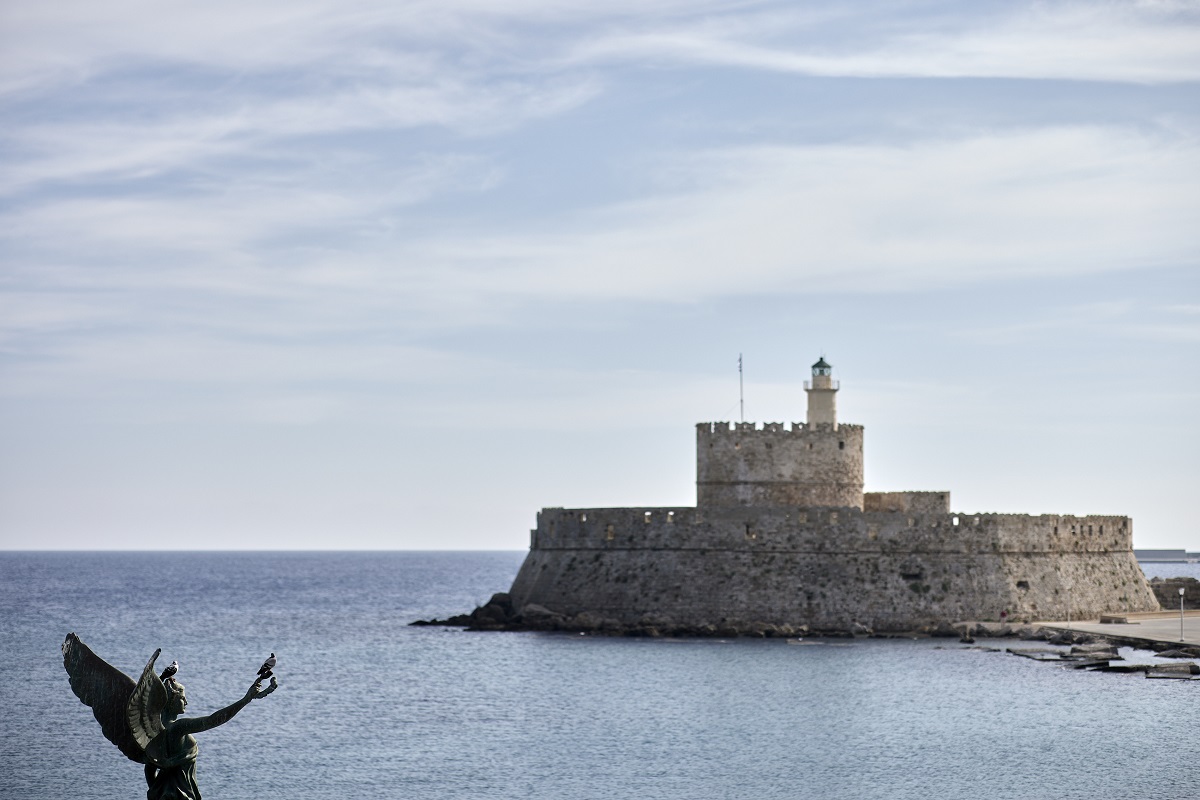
[{"x": 784, "y": 538}]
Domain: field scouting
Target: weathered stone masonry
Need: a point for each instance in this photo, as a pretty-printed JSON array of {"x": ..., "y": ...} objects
[
  {"x": 783, "y": 534},
  {"x": 768, "y": 465}
]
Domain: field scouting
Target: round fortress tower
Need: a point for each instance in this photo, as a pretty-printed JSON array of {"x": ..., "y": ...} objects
[{"x": 813, "y": 464}]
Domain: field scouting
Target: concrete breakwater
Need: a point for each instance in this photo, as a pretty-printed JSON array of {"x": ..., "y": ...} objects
[{"x": 1101, "y": 655}]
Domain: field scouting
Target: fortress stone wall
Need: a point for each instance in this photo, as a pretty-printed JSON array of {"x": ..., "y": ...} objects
[
  {"x": 783, "y": 534},
  {"x": 828, "y": 568}
]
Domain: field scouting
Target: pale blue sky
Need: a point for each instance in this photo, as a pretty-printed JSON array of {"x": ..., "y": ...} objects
[{"x": 348, "y": 274}]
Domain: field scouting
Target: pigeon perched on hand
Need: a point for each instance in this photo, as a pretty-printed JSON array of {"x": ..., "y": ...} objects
[
  {"x": 169, "y": 672},
  {"x": 265, "y": 670}
]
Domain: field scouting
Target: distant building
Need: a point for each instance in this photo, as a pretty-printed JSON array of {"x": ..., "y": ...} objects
[
  {"x": 1164, "y": 555},
  {"x": 783, "y": 535}
]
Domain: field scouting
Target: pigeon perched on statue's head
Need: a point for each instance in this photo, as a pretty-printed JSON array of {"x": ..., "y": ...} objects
[
  {"x": 169, "y": 672},
  {"x": 265, "y": 670}
]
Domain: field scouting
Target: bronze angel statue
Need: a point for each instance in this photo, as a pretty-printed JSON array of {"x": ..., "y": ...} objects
[{"x": 144, "y": 719}]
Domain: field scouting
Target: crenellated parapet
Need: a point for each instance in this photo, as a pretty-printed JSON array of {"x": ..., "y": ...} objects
[
  {"x": 925, "y": 502},
  {"x": 826, "y": 529},
  {"x": 777, "y": 464}
]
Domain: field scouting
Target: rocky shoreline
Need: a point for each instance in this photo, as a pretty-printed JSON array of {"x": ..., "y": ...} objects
[
  {"x": 1086, "y": 651},
  {"x": 499, "y": 614}
]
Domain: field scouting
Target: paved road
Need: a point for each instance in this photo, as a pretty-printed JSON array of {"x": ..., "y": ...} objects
[{"x": 1162, "y": 626}]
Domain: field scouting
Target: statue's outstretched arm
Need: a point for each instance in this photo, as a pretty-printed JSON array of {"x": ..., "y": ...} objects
[{"x": 198, "y": 724}]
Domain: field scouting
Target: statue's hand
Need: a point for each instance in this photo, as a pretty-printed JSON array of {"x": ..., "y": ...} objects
[{"x": 256, "y": 692}]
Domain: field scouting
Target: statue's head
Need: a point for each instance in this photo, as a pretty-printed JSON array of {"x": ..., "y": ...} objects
[{"x": 176, "y": 697}]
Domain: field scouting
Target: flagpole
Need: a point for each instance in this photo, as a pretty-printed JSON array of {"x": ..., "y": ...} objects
[{"x": 741, "y": 393}]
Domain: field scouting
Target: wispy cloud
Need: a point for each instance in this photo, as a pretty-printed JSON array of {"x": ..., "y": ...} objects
[
  {"x": 731, "y": 221},
  {"x": 259, "y": 102},
  {"x": 75, "y": 152},
  {"x": 1090, "y": 41},
  {"x": 866, "y": 218},
  {"x": 312, "y": 66},
  {"x": 1145, "y": 42}
]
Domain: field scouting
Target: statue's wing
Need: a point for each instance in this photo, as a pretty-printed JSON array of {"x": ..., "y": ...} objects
[
  {"x": 146, "y": 704},
  {"x": 106, "y": 690}
]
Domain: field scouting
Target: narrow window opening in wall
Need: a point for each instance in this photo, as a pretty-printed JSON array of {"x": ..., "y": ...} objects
[
  {"x": 768, "y": 445},
  {"x": 1055, "y": 530},
  {"x": 609, "y": 534},
  {"x": 872, "y": 532},
  {"x": 646, "y": 517},
  {"x": 833, "y": 517},
  {"x": 670, "y": 516},
  {"x": 911, "y": 522},
  {"x": 954, "y": 521},
  {"x": 737, "y": 445},
  {"x": 749, "y": 532},
  {"x": 583, "y": 517},
  {"x": 810, "y": 445},
  {"x": 802, "y": 517},
  {"x": 841, "y": 445},
  {"x": 1089, "y": 530},
  {"x": 976, "y": 522},
  {"x": 1022, "y": 584},
  {"x": 1101, "y": 530}
]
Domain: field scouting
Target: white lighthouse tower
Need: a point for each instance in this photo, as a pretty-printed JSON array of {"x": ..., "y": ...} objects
[{"x": 822, "y": 395}]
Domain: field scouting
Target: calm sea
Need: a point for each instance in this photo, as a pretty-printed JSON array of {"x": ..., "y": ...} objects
[{"x": 371, "y": 708}]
